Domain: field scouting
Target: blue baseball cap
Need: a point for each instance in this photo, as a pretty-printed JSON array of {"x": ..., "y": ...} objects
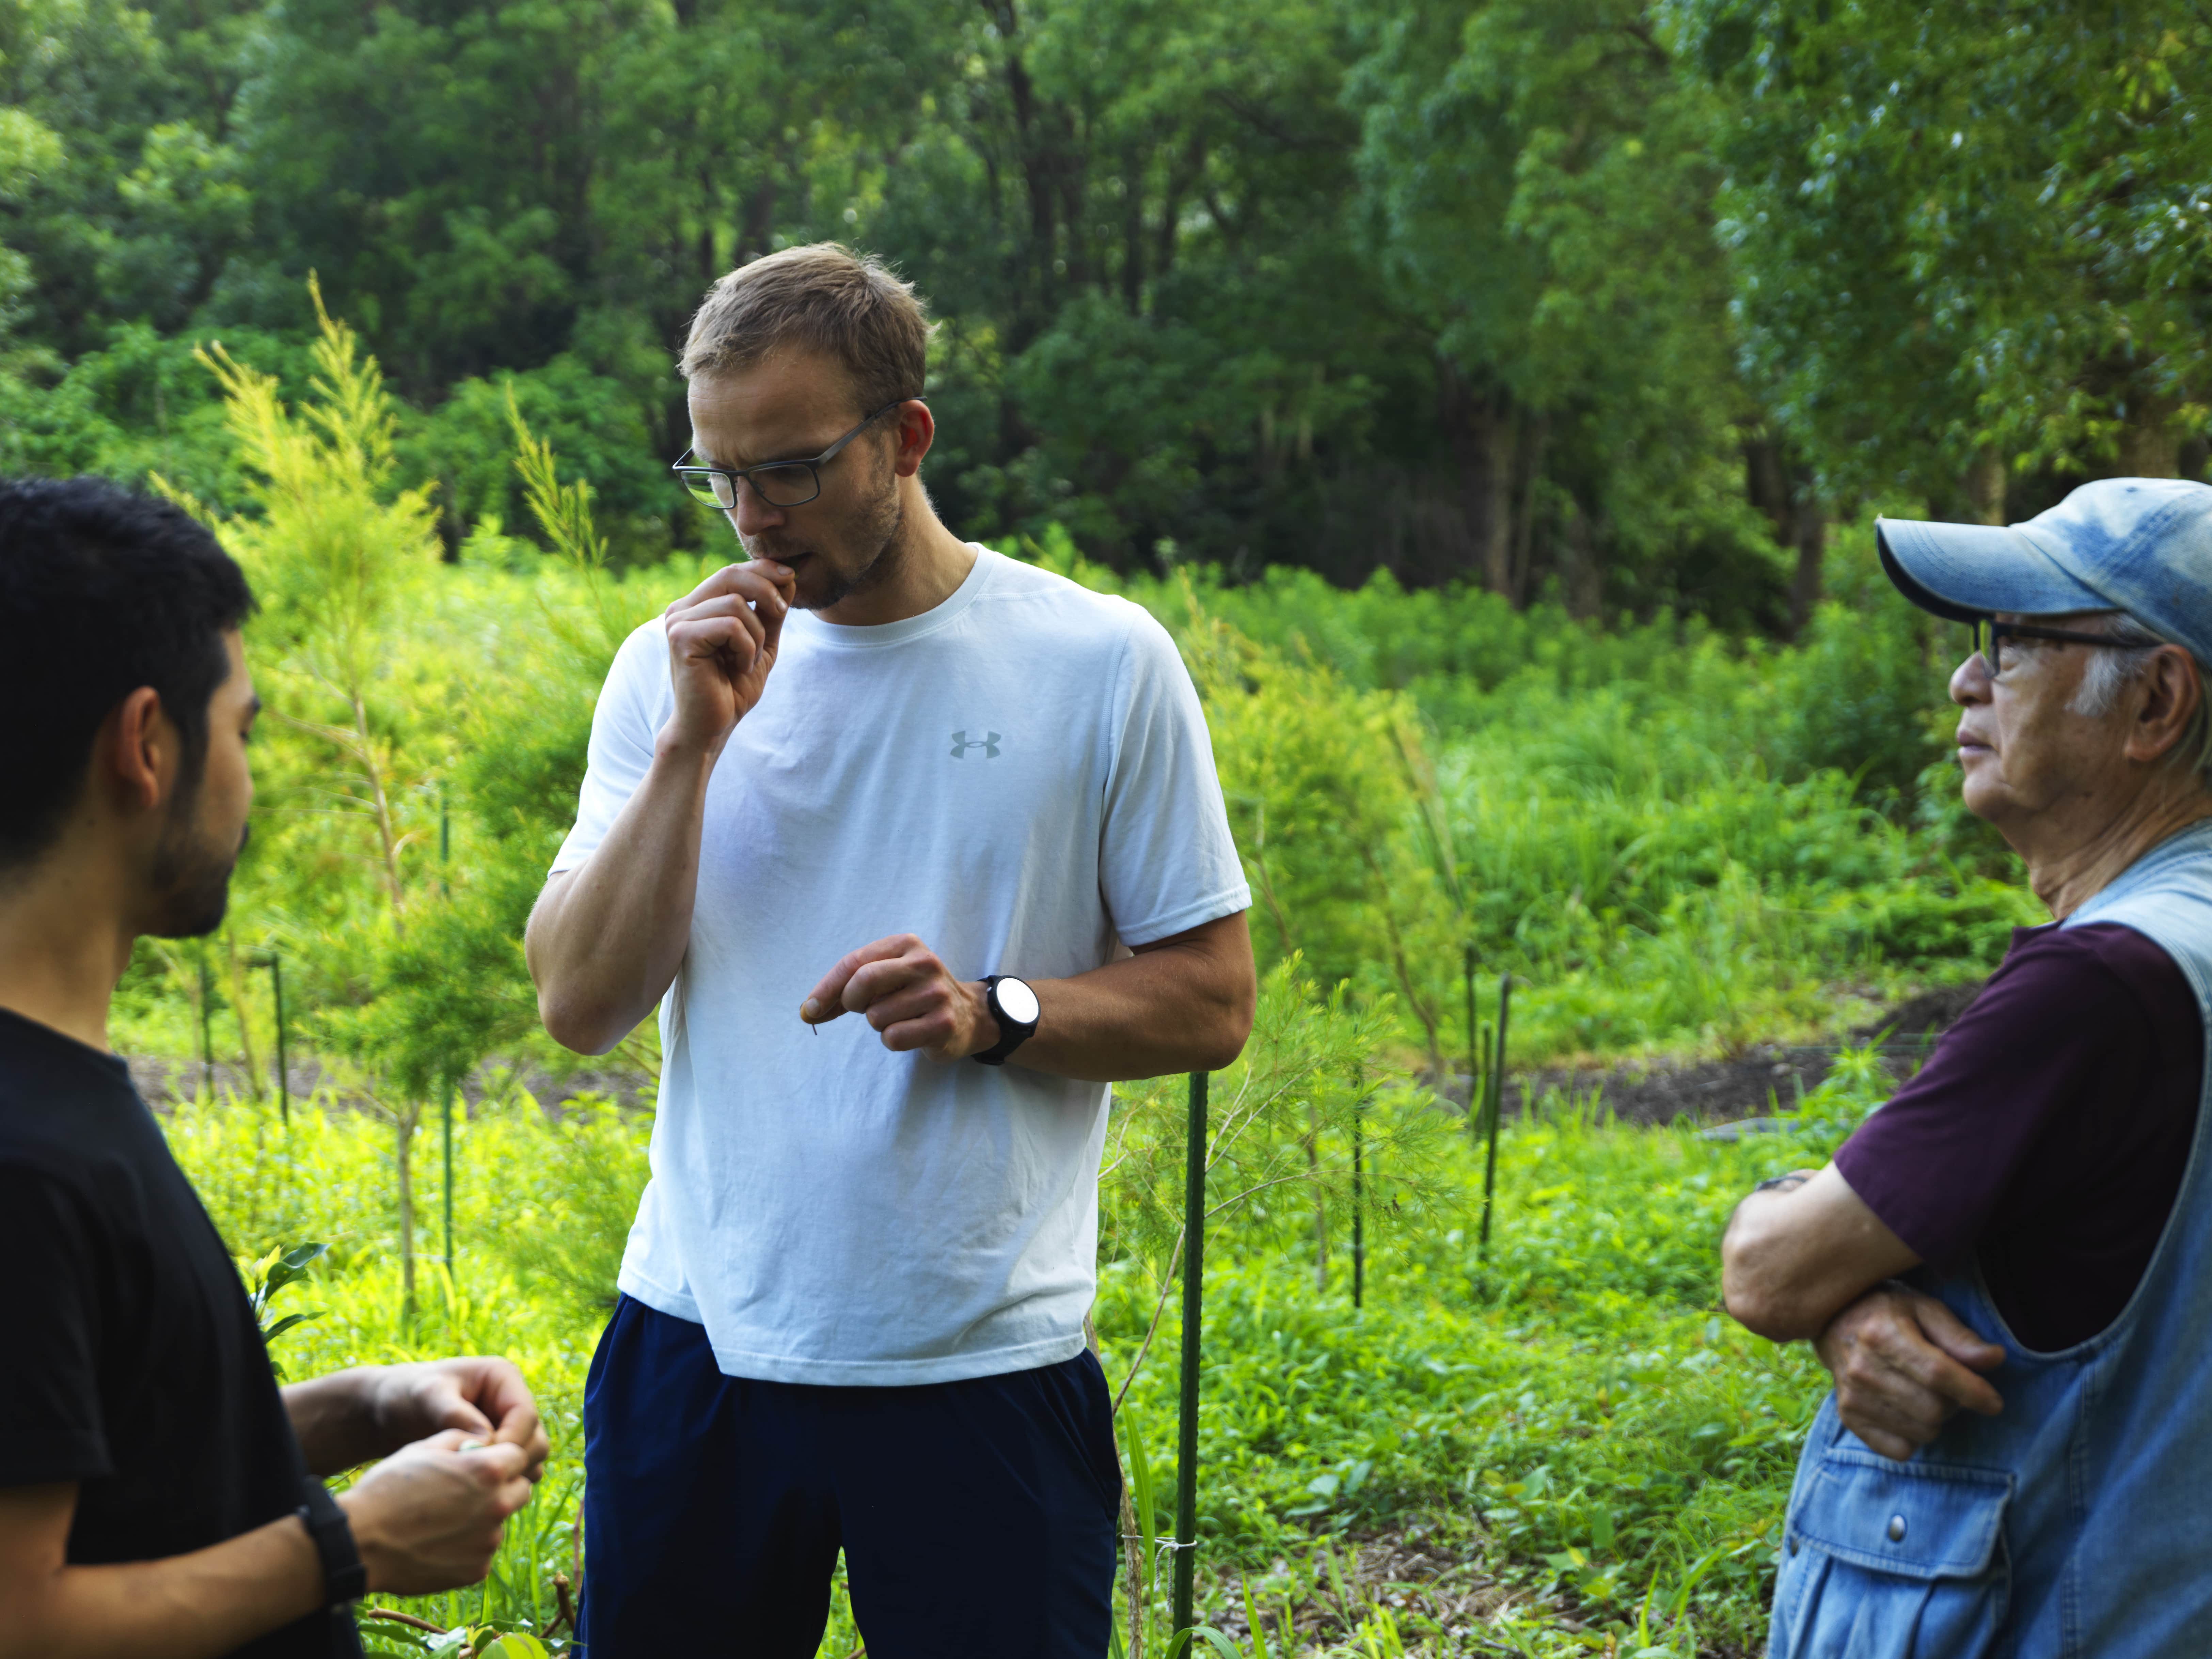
[{"x": 2141, "y": 545}]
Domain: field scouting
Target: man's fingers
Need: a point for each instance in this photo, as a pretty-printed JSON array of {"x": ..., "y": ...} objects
[
  {"x": 827, "y": 999},
  {"x": 520, "y": 1427},
  {"x": 712, "y": 638},
  {"x": 736, "y": 632},
  {"x": 876, "y": 982},
  {"x": 502, "y": 1462},
  {"x": 733, "y": 610},
  {"x": 931, "y": 1031},
  {"x": 1888, "y": 1445},
  {"x": 1954, "y": 1336},
  {"x": 1900, "y": 1345},
  {"x": 464, "y": 1416},
  {"x": 912, "y": 1001},
  {"x": 759, "y": 581}
]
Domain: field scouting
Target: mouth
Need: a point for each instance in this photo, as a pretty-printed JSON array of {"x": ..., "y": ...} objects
[{"x": 1969, "y": 746}]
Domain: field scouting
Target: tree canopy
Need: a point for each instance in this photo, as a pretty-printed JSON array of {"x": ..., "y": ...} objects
[{"x": 1625, "y": 300}]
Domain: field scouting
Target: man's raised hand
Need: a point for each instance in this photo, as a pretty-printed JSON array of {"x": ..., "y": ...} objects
[
  {"x": 1904, "y": 1365},
  {"x": 909, "y": 996},
  {"x": 722, "y": 640}
]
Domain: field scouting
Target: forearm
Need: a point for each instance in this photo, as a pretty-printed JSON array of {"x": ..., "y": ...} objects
[
  {"x": 334, "y": 1419},
  {"x": 1172, "y": 1009},
  {"x": 186, "y": 1606},
  {"x": 606, "y": 939},
  {"x": 1800, "y": 1250}
]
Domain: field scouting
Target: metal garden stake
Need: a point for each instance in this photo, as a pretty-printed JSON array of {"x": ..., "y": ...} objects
[
  {"x": 283, "y": 1072},
  {"x": 445, "y": 1110},
  {"x": 1497, "y": 1104},
  {"x": 1193, "y": 1245},
  {"x": 1358, "y": 1196},
  {"x": 207, "y": 1038},
  {"x": 1474, "y": 1071}
]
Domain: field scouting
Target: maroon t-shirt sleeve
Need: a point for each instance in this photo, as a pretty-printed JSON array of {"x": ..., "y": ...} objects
[{"x": 2079, "y": 1025}]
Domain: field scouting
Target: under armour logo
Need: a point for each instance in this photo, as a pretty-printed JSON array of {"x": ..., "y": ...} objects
[{"x": 989, "y": 743}]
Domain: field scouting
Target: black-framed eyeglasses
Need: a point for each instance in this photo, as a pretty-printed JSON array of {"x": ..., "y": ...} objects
[
  {"x": 1993, "y": 652},
  {"x": 779, "y": 483}
]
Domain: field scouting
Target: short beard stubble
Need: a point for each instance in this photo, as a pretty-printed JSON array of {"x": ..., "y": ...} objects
[
  {"x": 190, "y": 879},
  {"x": 876, "y": 524}
]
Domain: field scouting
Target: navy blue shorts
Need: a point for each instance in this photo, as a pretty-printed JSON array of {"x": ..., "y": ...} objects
[{"x": 978, "y": 1518}]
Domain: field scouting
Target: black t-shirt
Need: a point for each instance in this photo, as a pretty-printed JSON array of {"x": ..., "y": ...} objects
[
  {"x": 129, "y": 1362},
  {"x": 2047, "y": 1136}
]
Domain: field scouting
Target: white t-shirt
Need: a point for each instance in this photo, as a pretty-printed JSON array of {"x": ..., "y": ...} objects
[{"x": 1020, "y": 777}]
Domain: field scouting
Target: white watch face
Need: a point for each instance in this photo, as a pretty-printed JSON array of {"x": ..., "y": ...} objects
[{"x": 1018, "y": 1001}]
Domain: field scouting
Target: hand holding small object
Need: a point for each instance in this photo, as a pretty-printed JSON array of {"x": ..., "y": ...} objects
[{"x": 910, "y": 997}]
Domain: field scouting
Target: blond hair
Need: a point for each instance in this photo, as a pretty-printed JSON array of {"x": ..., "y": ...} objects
[{"x": 823, "y": 297}]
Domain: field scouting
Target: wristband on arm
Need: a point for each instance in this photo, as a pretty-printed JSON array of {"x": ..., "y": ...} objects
[
  {"x": 1014, "y": 1006},
  {"x": 346, "y": 1579}
]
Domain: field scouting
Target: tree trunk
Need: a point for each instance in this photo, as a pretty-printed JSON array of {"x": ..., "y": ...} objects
[
  {"x": 1480, "y": 428},
  {"x": 1581, "y": 575},
  {"x": 1524, "y": 524},
  {"x": 1985, "y": 485},
  {"x": 1781, "y": 490},
  {"x": 2150, "y": 448},
  {"x": 1812, "y": 540}
]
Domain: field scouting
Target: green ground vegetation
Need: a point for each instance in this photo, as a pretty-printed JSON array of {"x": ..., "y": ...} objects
[{"x": 1581, "y": 1454}]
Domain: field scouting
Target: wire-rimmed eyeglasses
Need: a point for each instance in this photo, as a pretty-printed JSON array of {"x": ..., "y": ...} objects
[
  {"x": 1998, "y": 632},
  {"x": 778, "y": 483}
]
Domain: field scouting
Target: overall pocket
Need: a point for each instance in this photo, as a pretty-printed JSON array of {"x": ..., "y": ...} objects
[{"x": 1886, "y": 1560}]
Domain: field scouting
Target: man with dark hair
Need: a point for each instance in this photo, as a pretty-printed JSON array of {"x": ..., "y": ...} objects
[
  {"x": 155, "y": 1492},
  {"x": 876, "y": 771}
]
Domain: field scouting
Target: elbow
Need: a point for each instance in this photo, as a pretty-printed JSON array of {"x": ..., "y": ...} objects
[
  {"x": 1232, "y": 1026},
  {"x": 1758, "y": 1298},
  {"x": 1751, "y": 1307},
  {"x": 576, "y": 1025}
]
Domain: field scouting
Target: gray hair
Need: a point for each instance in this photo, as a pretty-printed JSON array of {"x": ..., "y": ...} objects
[{"x": 2112, "y": 671}]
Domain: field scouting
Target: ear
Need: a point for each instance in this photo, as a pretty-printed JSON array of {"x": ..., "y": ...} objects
[
  {"x": 139, "y": 757},
  {"x": 2172, "y": 690},
  {"x": 916, "y": 431}
]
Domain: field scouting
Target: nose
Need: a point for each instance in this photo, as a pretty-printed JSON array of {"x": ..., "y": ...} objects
[
  {"x": 1969, "y": 681},
  {"x": 751, "y": 514}
]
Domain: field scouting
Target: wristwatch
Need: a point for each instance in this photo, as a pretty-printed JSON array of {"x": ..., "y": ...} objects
[
  {"x": 344, "y": 1578},
  {"x": 1014, "y": 1005}
]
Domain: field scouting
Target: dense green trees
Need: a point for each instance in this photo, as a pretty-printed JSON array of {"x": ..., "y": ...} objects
[
  {"x": 1623, "y": 300},
  {"x": 1970, "y": 243}
]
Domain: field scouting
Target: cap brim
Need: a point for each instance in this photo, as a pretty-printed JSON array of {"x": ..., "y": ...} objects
[{"x": 1969, "y": 571}]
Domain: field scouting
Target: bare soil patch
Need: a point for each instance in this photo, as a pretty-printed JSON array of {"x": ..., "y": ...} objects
[{"x": 1764, "y": 1078}]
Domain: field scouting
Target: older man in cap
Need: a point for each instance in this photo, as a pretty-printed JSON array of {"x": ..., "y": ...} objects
[{"x": 2008, "y": 1269}]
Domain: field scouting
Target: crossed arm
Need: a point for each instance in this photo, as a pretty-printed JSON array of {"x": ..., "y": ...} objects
[
  {"x": 427, "y": 1518},
  {"x": 1804, "y": 1258}
]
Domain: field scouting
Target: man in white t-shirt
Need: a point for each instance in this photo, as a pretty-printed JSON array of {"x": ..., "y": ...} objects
[{"x": 874, "y": 770}]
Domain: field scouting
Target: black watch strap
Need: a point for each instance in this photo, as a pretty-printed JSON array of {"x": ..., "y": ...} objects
[
  {"x": 1012, "y": 1033},
  {"x": 344, "y": 1578}
]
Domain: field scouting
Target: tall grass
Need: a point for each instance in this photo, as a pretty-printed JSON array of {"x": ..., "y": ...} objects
[{"x": 1575, "y": 1422}]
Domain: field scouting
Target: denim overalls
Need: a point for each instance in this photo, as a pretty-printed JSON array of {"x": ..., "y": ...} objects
[{"x": 2078, "y": 1522}]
